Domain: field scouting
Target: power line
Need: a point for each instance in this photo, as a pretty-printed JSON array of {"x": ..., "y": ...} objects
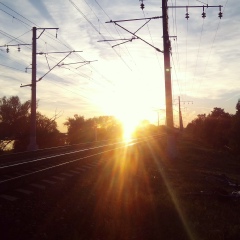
[
  {"x": 85, "y": 17},
  {"x": 15, "y": 18},
  {"x": 16, "y": 38},
  {"x": 48, "y": 35},
  {"x": 12, "y": 37},
  {"x": 119, "y": 34},
  {"x": 102, "y": 9},
  {"x": 186, "y": 58},
  {"x": 152, "y": 42},
  {"x": 195, "y": 69},
  {"x": 17, "y": 14},
  {"x": 210, "y": 52},
  {"x": 176, "y": 74},
  {"x": 12, "y": 68}
]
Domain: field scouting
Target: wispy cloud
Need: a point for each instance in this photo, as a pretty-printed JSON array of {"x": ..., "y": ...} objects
[{"x": 204, "y": 55}]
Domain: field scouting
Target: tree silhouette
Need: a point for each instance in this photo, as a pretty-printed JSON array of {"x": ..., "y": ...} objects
[
  {"x": 92, "y": 129},
  {"x": 13, "y": 118},
  {"x": 238, "y": 107},
  {"x": 214, "y": 128},
  {"x": 15, "y": 126},
  {"x": 235, "y": 130}
]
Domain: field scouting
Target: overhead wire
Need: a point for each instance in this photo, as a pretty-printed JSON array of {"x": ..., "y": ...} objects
[
  {"x": 118, "y": 32},
  {"x": 85, "y": 17},
  {"x": 82, "y": 75},
  {"x": 103, "y": 77},
  {"x": 48, "y": 34},
  {"x": 99, "y": 33},
  {"x": 186, "y": 61},
  {"x": 18, "y": 14},
  {"x": 11, "y": 67},
  {"x": 15, "y": 17},
  {"x": 175, "y": 64},
  {"x": 13, "y": 38},
  {"x": 196, "y": 63},
  {"x": 211, "y": 48},
  {"x": 153, "y": 43},
  {"x": 176, "y": 46},
  {"x": 176, "y": 28},
  {"x": 16, "y": 38}
]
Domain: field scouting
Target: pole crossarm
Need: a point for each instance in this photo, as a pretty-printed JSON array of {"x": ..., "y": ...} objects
[
  {"x": 220, "y": 14},
  {"x": 19, "y": 44},
  {"x": 27, "y": 85},
  {"x": 130, "y": 40},
  {"x": 114, "y": 40},
  {"x": 136, "y": 19},
  {"x": 69, "y": 53},
  {"x": 28, "y": 67},
  {"x": 76, "y": 63},
  {"x": 50, "y": 69},
  {"x": 125, "y": 40},
  {"x": 134, "y": 33},
  {"x": 205, "y": 6},
  {"x": 42, "y": 53},
  {"x": 187, "y": 102},
  {"x": 83, "y": 63},
  {"x": 12, "y": 45},
  {"x": 43, "y": 30}
]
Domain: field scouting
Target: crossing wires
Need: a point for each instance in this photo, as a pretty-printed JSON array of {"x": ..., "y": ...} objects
[{"x": 93, "y": 26}]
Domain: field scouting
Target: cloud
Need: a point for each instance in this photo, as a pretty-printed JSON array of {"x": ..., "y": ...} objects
[{"x": 204, "y": 56}]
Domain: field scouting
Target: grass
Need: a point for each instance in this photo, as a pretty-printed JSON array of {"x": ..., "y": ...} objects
[
  {"x": 144, "y": 195},
  {"x": 140, "y": 194},
  {"x": 197, "y": 182}
]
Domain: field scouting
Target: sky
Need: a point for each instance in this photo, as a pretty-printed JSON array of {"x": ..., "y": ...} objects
[{"x": 105, "y": 76}]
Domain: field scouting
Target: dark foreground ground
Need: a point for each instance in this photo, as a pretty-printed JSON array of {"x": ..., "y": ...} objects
[{"x": 135, "y": 193}]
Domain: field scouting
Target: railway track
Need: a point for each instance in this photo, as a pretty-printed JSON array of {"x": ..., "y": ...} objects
[{"x": 58, "y": 164}]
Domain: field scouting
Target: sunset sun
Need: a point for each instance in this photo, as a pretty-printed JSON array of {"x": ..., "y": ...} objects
[{"x": 130, "y": 105}]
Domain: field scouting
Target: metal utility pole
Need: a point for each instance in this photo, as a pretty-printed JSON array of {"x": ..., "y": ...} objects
[
  {"x": 167, "y": 66},
  {"x": 158, "y": 116},
  {"x": 33, "y": 144},
  {"x": 171, "y": 141},
  {"x": 95, "y": 130},
  {"x": 180, "y": 112},
  {"x": 180, "y": 115}
]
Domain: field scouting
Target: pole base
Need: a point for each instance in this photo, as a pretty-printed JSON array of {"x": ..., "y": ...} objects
[
  {"x": 171, "y": 146},
  {"x": 32, "y": 145}
]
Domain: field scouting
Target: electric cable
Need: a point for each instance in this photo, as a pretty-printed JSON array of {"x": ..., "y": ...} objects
[
  {"x": 47, "y": 34},
  {"x": 85, "y": 17}
]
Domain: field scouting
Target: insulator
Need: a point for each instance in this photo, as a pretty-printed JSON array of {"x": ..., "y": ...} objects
[
  {"x": 220, "y": 15},
  {"x": 7, "y": 49},
  {"x": 187, "y": 16},
  {"x": 203, "y": 15},
  {"x": 19, "y": 49},
  {"x": 142, "y": 6}
]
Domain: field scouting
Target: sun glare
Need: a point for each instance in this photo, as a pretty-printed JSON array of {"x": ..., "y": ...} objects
[
  {"x": 131, "y": 102},
  {"x": 129, "y": 126}
]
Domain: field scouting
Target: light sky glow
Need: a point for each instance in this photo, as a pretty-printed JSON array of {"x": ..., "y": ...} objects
[{"x": 127, "y": 80}]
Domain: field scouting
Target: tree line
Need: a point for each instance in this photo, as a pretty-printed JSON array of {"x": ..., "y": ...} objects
[
  {"x": 219, "y": 129},
  {"x": 15, "y": 127}
]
